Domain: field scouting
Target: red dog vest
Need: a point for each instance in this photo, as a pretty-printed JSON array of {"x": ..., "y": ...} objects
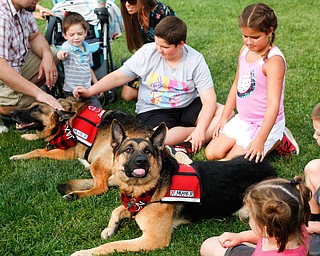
[
  {"x": 185, "y": 186},
  {"x": 85, "y": 126},
  {"x": 84, "y": 129}
]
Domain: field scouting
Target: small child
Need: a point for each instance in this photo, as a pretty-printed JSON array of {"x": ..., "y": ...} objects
[
  {"x": 76, "y": 56},
  {"x": 278, "y": 215},
  {"x": 257, "y": 92},
  {"x": 312, "y": 176}
]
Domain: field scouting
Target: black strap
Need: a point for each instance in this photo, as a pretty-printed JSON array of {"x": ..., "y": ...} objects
[
  {"x": 86, "y": 154},
  {"x": 315, "y": 217}
]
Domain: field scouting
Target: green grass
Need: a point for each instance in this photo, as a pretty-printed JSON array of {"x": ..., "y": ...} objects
[{"x": 34, "y": 220}]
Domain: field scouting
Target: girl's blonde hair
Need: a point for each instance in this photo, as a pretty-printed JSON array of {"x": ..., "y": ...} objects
[{"x": 282, "y": 207}]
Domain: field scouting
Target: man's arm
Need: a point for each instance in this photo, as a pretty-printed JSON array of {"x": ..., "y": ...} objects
[
  {"x": 40, "y": 47},
  {"x": 209, "y": 105},
  {"x": 18, "y": 83}
]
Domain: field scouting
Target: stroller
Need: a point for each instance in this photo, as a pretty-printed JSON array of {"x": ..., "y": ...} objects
[{"x": 104, "y": 25}]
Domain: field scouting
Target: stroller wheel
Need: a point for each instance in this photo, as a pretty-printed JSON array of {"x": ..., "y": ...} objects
[{"x": 108, "y": 97}]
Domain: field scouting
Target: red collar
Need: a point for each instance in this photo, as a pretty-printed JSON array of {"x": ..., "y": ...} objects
[{"x": 135, "y": 204}]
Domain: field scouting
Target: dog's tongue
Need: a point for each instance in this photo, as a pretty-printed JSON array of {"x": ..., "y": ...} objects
[{"x": 139, "y": 172}]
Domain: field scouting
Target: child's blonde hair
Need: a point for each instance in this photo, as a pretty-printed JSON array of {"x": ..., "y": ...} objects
[{"x": 280, "y": 206}]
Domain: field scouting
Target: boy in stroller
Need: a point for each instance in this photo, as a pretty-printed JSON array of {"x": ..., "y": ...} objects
[{"x": 104, "y": 25}]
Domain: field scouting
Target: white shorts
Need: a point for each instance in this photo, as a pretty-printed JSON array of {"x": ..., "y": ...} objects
[{"x": 244, "y": 132}]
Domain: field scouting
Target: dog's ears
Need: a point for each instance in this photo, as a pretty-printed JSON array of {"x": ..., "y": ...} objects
[
  {"x": 65, "y": 115},
  {"x": 66, "y": 104},
  {"x": 159, "y": 135},
  {"x": 117, "y": 133}
]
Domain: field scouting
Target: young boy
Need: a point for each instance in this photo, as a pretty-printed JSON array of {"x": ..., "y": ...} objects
[
  {"x": 175, "y": 86},
  {"x": 312, "y": 175},
  {"x": 76, "y": 56}
]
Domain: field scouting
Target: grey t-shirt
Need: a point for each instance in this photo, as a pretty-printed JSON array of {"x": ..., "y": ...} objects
[{"x": 163, "y": 87}]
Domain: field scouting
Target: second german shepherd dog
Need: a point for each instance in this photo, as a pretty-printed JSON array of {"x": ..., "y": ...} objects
[
  {"x": 47, "y": 122},
  {"x": 143, "y": 171}
]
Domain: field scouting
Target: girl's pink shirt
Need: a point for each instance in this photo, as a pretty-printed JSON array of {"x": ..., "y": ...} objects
[
  {"x": 300, "y": 251},
  {"x": 251, "y": 97}
]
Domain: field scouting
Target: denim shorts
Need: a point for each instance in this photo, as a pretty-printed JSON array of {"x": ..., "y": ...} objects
[{"x": 240, "y": 250}]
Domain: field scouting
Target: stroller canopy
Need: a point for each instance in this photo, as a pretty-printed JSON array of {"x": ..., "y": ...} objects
[{"x": 86, "y": 9}]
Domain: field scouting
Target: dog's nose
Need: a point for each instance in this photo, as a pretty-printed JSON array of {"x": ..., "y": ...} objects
[
  {"x": 14, "y": 113},
  {"x": 140, "y": 161}
]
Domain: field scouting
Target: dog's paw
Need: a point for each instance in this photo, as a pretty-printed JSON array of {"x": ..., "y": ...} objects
[
  {"x": 85, "y": 163},
  {"x": 29, "y": 136},
  {"x": 3, "y": 128},
  {"x": 82, "y": 253},
  {"x": 107, "y": 233},
  {"x": 70, "y": 197}
]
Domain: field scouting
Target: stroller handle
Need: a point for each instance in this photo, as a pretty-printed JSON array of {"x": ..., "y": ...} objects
[{"x": 50, "y": 26}]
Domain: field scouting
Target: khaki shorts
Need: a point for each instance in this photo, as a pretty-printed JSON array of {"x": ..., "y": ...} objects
[{"x": 30, "y": 69}]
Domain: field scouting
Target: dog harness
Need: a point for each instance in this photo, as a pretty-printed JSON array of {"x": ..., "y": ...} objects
[
  {"x": 83, "y": 129},
  {"x": 185, "y": 186},
  {"x": 135, "y": 204}
]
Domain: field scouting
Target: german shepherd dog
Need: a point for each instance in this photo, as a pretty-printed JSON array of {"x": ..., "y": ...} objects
[
  {"x": 46, "y": 121},
  {"x": 143, "y": 171}
]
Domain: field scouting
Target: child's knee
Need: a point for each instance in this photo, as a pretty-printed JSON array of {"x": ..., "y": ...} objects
[
  {"x": 212, "y": 154},
  {"x": 210, "y": 246},
  {"x": 312, "y": 168}
]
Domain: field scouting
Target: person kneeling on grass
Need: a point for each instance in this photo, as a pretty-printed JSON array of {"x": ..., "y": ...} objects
[
  {"x": 257, "y": 92},
  {"x": 26, "y": 60},
  {"x": 175, "y": 86}
]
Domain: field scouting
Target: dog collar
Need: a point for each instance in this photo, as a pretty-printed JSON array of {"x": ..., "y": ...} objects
[{"x": 135, "y": 204}]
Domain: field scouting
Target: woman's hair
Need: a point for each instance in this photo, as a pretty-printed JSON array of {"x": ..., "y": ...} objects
[
  {"x": 281, "y": 206},
  {"x": 260, "y": 17},
  {"x": 172, "y": 29},
  {"x": 132, "y": 23},
  {"x": 316, "y": 113},
  {"x": 73, "y": 18}
]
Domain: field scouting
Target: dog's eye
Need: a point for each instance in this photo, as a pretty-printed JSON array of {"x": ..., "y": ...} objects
[
  {"x": 147, "y": 151},
  {"x": 129, "y": 150},
  {"x": 36, "y": 108}
]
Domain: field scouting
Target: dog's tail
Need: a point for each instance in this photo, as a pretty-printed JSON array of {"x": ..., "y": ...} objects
[
  {"x": 80, "y": 185},
  {"x": 74, "y": 185}
]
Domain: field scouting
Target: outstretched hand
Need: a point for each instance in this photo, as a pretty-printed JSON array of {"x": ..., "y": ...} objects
[
  {"x": 197, "y": 139},
  {"x": 62, "y": 54},
  {"x": 80, "y": 91},
  {"x": 255, "y": 150}
]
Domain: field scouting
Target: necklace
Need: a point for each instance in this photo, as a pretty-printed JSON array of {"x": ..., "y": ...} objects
[
  {"x": 144, "y": 18},
  {"x": 141, "y": 24}
]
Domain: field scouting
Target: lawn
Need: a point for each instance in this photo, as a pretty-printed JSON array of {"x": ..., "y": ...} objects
[{"x": 35, "y": 220}]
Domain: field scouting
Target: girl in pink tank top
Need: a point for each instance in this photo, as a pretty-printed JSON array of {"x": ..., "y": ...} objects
[{"x": 257, "y": 92}]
